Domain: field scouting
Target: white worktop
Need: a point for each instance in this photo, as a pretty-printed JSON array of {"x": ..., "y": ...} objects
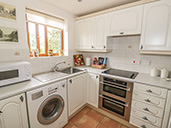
[
  {"x": 11, "y": 90},
  {"x": 141, "y": 78},
  {"x": 22, "y": 87}
]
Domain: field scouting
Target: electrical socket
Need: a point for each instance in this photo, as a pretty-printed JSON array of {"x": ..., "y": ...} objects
[{"x": 146, "y": 62}]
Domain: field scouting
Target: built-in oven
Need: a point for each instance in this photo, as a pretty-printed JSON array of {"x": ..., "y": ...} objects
[{"x": 115, "y": 96}]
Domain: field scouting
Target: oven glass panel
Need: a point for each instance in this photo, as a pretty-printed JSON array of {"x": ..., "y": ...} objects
[
  {"x": 114, "y": 107},
  {"x": 9, "y": 74},
  {"x": 115, "y": 91}
]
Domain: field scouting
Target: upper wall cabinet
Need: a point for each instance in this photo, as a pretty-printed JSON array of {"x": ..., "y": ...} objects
[
  {"x": 84, "y": 33},
  {"x": 156, "y": 31},
  {"x": 125, "y": 22},
  {"x": 100, "y": 38},
  {"x": 91, "y": 34}
]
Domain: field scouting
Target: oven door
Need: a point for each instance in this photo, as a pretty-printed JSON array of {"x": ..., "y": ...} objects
[
  {"x": 115, "y": 90},
  {"x": 114, "y": 106}
]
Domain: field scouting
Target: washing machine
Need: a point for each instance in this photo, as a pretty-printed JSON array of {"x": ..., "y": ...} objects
[{"x": 47, "y": 106}]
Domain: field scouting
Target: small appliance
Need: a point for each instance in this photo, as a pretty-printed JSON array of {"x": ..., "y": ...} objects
[{"x": 14, "y": 72}]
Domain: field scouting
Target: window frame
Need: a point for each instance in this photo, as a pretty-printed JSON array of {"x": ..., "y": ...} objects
[{"x": 46, "y": 38}]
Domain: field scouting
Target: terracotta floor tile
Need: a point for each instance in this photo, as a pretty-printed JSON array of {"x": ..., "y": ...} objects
[
  {"x": 95, "y": 115},
  {"x": 101, "y": 126},
  {"x": 69, "y": 125},
  {"x": 74, "y": 126},
  {"x": 86, "y": 122},
  {"x": 85, "y": 110},
  {"x": 76, "y": 118},
  {"x": 109, "y": 123},
  {"x": 123, "y": 126}
]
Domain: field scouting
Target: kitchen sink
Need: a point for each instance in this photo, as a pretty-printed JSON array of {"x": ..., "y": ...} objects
[
  {"x": 69, "y": 70},
  {"x": 49, "y": 76}
]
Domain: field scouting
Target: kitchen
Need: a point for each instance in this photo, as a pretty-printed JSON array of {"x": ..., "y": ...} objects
[{"x": 133, "y": 90}]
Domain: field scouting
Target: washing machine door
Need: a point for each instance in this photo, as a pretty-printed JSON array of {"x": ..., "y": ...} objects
[{"x": 50, "y": 110}]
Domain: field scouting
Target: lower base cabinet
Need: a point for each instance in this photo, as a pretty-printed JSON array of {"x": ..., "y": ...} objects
[
  {"x": 93, "y": 89},
  {"x": 76, "y": 93},
  {"x": 13, "y": 113}
]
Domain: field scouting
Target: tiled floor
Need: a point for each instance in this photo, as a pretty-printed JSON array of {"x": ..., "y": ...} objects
[{"x": 88, "y": 118}]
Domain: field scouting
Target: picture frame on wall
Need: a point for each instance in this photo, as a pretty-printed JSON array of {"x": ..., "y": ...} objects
[
  {"x": 7, "y": 11},
  {"x": 8, "y": 35}
]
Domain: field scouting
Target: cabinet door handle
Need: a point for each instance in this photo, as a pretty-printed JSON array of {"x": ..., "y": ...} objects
[
  {"x": 21, "y": 98},
  {"x": 146, "y": 109},
  {"x": 121, "y": 33},
  {"x": 104, "y": 47},
  {"x": 97, "y": 77},
  {"x": 70, "y": 81},
  {"x": 1, "y": 112},
  {"x": 144, "y": 118},
  {"x": 148, "y": 100},
  {"x": 141, "y": 47},
  {"x": 149, "y": 91},
  {"x": 92, "y": 47},
  {"x": 143, "y": 126}
]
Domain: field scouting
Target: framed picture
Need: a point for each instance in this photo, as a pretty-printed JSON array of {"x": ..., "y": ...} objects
[
  {"x": 7, "y": 11},
  {"x": 8, "y": 34}
]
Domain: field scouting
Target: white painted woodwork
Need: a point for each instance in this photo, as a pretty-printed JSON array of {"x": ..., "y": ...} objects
[
  {"x": 141, "y": 124},
  {"x": 76, "y": 93},
  {"x": 84, "y": 33},
  {"x": 152, "y": 109},
  {"x": 100, "y": 38},
  {"x": 167, "y": 113},
  {"x": 151, "y": 100},
  {"x": 93, "y": 89},
  {"x": 150, "y": 90},
  {"x": 125, "y": 22},
  {"x": 148, "y": 118},
  {"x": 156, "y": 29},
  {"x": 14, "y": 113}
]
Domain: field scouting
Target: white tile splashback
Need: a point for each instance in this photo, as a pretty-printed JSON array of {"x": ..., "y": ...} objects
[{"x": 125, "y": 50}]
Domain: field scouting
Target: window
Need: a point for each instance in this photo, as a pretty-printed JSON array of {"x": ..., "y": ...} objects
[{"x": 45, "y": 33}]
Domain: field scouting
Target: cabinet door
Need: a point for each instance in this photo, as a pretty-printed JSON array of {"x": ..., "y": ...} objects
[
  {"x": 93, "y": 89},
  {"x": 156, "y": 32},
  {"x": 13, "y": 112},
  {"x": 167, "y": 112},
  {"x": 100, "y": 38},
  {"x": 125, "y": 22},
  {"x": 76, "y": 93},
  {"x": 84, "y": 33}
]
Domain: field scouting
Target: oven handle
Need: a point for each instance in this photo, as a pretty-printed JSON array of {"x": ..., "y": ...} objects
[
  {"x": 126, "y": 89},
  {"x": 126, "y": 105}
]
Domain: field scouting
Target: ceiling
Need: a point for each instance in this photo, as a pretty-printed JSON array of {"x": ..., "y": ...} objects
[{"x": 86, "y": 6}]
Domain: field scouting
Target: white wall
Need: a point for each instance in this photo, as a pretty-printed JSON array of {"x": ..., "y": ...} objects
[
  {"x": 7, "y": 51},
  {"x": 122, "y": 56}
]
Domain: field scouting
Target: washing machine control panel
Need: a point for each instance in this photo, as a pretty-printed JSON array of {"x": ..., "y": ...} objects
[{"x": 53, "y": 89}]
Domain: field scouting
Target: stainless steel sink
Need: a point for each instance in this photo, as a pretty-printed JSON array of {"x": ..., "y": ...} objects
[
  {"x": 49, "y": 76},
  {"x": 45, "y": 77},
  {"x": 69, "y": 70}
]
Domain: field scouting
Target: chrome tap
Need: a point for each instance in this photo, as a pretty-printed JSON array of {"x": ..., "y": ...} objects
[{"x": 56, "y": 65}]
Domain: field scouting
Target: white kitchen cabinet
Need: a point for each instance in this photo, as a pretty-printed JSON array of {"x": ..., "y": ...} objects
[
  {"x": 13, "y": 112},
  {"x": 156, "y": 29},
  {"x": 148, "y": 105},
  {"x": 93, "y": 89},
  {"x": 100, "y": 38},
  {"x": 76, "y": 93},
  {"x": 84, "y": 33},
  {"x": 91, "y": 34},
  {"x": 125, "y": 22},
  {"x": 167, "y": 113}
]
